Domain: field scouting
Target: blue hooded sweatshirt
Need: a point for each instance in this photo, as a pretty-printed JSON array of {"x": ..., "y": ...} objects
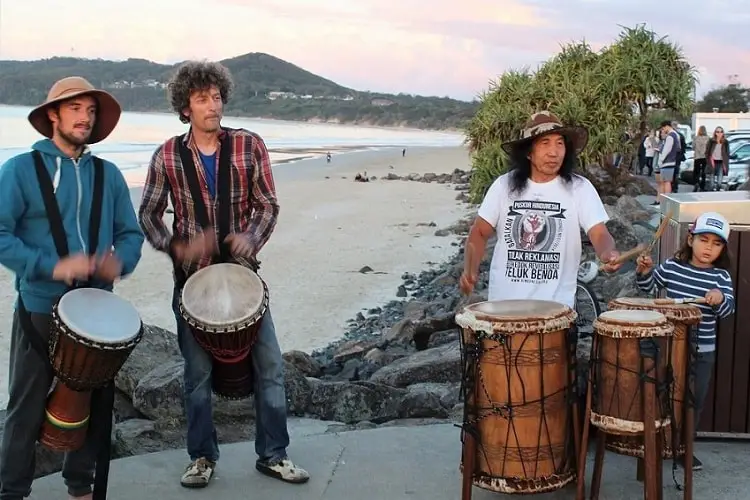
[{"x": 26, "y": 245}]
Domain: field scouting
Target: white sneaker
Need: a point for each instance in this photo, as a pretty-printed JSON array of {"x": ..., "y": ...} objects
[
  {"x": 283, "y": 470},
  {"x": 198, "y": 474}
]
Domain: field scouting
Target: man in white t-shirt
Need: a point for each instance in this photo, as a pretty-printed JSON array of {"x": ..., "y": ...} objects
[{"x": 538, "y": 209}]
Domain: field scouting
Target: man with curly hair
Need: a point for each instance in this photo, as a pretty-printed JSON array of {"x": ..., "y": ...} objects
[{"x": 243, "y": 205}]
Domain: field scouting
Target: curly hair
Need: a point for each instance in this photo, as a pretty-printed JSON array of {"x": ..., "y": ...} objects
[{"x": 193, "y": 76}]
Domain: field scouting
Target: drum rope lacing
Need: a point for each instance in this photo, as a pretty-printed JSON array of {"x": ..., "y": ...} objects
[
  {"x": 103, "y": 371},
  {"x": 650, "y": 349},
  {"x": 472, "y": 379}
]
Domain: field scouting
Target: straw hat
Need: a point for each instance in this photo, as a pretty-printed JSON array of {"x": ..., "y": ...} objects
[
  {"x": 544, "y": 123},
  {"x": 107, "y": 116}
]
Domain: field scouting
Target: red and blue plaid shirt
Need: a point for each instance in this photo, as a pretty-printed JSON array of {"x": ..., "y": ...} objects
[{"x": 254, "y": 207}]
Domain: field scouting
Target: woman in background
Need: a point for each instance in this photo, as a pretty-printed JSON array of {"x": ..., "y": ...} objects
[
  {"x": 717, "y": 157},
  {"x": 700, "y": 143}
]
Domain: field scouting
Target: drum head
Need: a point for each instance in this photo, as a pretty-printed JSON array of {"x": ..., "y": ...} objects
[
  {"x": 633, "y": 316},
  {"x": 223, "y": 295},
  {"x": 517, "y": 309},
  {"x": 99, "y": 315},
  {"x": 516, "y": 316}
]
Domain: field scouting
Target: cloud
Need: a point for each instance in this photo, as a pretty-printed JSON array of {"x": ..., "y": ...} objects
[{"x": 437, "y": 47}]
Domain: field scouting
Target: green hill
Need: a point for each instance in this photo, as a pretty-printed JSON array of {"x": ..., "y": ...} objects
[{"x": 266, "y": 87}]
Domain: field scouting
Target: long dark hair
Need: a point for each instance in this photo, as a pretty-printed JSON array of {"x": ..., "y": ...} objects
[
  {"x": 685, "y": 254},
  {"x": 520, "y": 165}
]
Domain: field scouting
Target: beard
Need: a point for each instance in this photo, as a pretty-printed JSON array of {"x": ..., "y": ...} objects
[{"x": 74, "y": 141}]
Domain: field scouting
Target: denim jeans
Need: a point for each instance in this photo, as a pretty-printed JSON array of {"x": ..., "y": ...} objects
[
  {"x": 271, "y": 435},
  {"x": 704, "y": 371},
  {"x": 29, "y": 384}
]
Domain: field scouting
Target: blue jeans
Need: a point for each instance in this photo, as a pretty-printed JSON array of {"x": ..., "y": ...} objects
[{"x": 271, "y": 435}]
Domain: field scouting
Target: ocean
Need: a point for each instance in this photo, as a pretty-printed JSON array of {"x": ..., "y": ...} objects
[{"x": 133, "y": 142}]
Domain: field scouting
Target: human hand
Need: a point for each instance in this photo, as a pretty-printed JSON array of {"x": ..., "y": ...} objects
[
  {"x": 608, "y": 260},
  {"x": 108, "y": 268},
  {"x": 714, "y": 297},
  {"x": 74, "y": 267},
  {"x": 644, "y": 264},
  {"x": 203, "y": 244},
  {"x": 240, "y": 245},
  {"x": 467, "y": 282}
]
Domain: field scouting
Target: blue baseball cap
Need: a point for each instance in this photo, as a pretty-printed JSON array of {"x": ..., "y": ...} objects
[{"x": 713, "y": 223}]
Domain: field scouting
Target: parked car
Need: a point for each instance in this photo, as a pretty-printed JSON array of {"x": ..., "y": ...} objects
[{"x": 739, "y": 160}]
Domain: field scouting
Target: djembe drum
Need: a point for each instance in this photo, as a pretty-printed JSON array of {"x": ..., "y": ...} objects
[
  {"x": 682, "y": 317},
  {"x": 93, "y": 332},
  {"x": 224, "y": 306},
  {"x": 518, "y": 379},
  {"x": 623, "y": 339}
]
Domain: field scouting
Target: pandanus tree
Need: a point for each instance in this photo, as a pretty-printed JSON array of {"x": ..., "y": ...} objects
[{"x": 611, "y": 92}]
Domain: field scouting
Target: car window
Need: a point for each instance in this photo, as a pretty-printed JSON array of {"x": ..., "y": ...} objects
[{"x": 743, "y": 151}]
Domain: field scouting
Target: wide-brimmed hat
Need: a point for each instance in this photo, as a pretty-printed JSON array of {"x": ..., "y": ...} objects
[
  {"x": 544, "y": 123},
  {"x": 108, "y": 109}
]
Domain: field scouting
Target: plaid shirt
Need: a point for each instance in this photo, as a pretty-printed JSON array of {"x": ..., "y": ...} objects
[{"x": 254, "y": 208}]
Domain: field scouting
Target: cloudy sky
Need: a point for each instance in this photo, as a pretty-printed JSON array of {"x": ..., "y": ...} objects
[{"x": 434, "y": 47}]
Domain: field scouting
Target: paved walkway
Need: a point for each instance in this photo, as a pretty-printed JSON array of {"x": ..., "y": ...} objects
[{"x": 391, "y": 463}]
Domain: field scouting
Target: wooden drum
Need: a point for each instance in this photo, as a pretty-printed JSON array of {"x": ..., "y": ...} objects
[
  {"x": 682, "y": 317},
  {"x": 93, "y": 333},
  {"x": 625, "y": 343},
  {"x": 518, "y": 369},
  {"x": 224, "y": 306}
]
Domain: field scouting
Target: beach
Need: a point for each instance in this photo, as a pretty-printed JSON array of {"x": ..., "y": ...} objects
[{"x": 329, "y": 228}]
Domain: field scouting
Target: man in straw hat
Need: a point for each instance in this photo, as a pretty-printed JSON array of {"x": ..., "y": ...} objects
[
  {"x": 52, "y": 200},
  {"x": 538, "y": 209},
  {"x": 225, "y": 210}
]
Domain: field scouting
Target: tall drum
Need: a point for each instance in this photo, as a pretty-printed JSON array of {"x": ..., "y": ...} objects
[
  {"x": 623, "y": 341},
  {"x": 93, "y": 333},
  {"x": 682, "y": 317},
  {"x": 224, "y": 305},
  {"x": 517, "y": 363}
]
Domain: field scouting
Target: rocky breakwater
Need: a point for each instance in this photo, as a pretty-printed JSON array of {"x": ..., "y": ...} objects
[{"x": 397, "y": 364}]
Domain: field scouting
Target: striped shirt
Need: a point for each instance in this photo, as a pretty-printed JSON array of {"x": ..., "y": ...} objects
[
  {"x": 254, "y": 207},
  {"x": 683, "y": 281}
]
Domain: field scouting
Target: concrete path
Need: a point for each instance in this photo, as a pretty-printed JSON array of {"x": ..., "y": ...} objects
[{"x": 389, "y": 463}]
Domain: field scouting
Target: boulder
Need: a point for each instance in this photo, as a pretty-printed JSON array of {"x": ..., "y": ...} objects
[{"x": 440, "y": 364}]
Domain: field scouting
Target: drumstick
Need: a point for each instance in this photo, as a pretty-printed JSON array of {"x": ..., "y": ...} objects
[
  {"x": 696, "y": 300},
  {"x": 625, "y": 256},
  {"x": 659, "y": 231}
]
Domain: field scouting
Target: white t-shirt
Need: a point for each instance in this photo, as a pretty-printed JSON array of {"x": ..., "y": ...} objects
[{"x": 538, "y": 247}]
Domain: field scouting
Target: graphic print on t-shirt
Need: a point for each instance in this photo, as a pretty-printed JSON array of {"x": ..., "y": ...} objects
[{"x": 533, "y": 234}]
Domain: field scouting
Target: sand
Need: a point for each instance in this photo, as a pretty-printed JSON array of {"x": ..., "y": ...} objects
[{"x": 328, "y": 229}]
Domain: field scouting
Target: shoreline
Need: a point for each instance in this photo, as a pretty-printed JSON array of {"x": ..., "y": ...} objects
[{"x": 388, "y": 225}]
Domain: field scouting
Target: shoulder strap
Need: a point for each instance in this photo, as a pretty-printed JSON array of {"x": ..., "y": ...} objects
[
  {"x": 50, "y": 205},
  {"x": 188, "y": 165},
  {"x": 95, "y": 218},
  {"x": 224, "y": 190}
]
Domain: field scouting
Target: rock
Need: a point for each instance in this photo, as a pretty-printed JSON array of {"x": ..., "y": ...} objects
[
  {"x": 136, "y": 436},
  {"x": 159, "y": 396},
  {"x": 158, "y": 347},
  {"x": 442, "y": 338},
  {"x": 623, "y": 234},
  {"x": 352, "y": 349},
  {"x": 630, "y": 210},
  {"x": 401, "y": 292},
  {"x": 439, "y": 364},
  {"x": 305, "y": 363},
  {"x": 366, "y": 269},
  {"x": 351, "y": 402}
]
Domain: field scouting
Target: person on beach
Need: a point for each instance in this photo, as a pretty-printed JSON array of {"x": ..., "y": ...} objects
[
  {"x": 47, "y": 258},
  {"x": 198, "y": 93},
  {"x": 538, "y": 210},
  {"x": 699, "y": 269},
  {"x": 669, "y": 154}
]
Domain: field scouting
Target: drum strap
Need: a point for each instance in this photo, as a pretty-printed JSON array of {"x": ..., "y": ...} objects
[
  {"x": 53, "y": 210},
  {"x": 105, "y": 396},
  {"x": 223, "y": 191}
]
